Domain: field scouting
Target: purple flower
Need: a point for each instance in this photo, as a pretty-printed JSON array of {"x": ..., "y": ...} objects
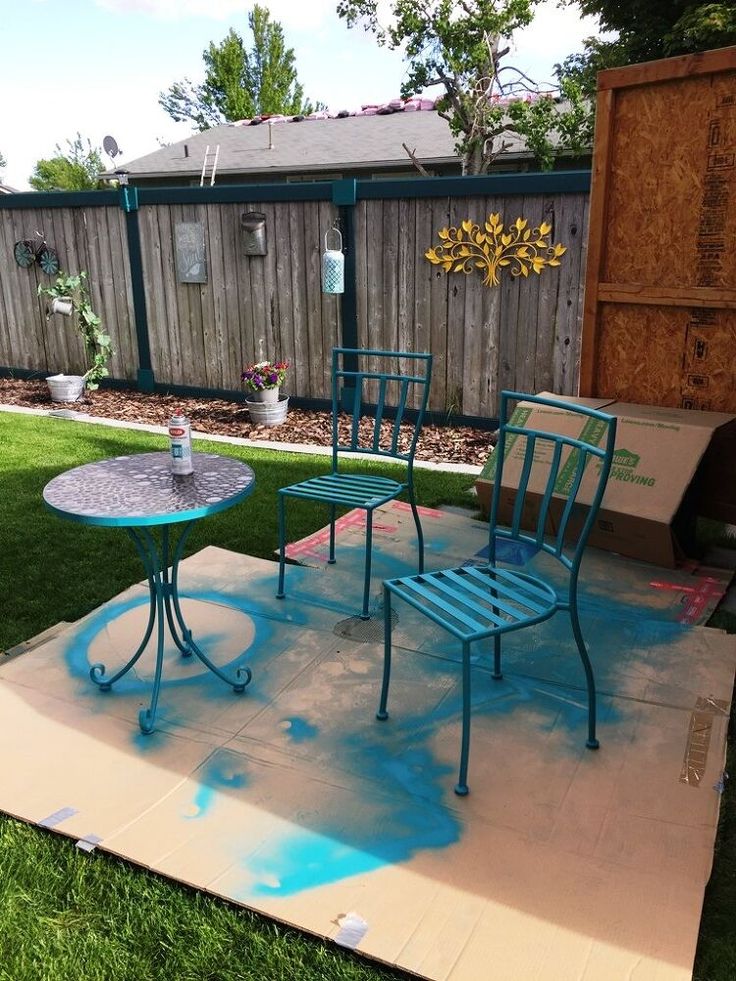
[{"x": 265, "y": 374}]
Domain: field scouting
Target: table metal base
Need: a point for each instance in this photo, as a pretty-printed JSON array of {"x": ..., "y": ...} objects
[{"x": 164, "y": 608}]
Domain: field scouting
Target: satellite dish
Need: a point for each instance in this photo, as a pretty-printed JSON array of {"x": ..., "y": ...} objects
[{"x": 110, "y": 146}]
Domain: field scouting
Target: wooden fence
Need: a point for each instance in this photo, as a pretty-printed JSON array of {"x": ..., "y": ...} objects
[
  {"x": 90, "y": 238},
  {"x": 523, "y": 334}
]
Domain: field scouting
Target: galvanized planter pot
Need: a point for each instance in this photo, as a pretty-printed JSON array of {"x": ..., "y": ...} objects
[
  {"x": 268, "y": 413},
  {"x": 65, "y": 388}
]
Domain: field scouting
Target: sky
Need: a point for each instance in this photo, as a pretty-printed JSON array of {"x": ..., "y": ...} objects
[{"x": 96, "y": 67}]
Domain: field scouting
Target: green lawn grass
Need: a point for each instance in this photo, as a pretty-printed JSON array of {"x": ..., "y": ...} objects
[{"x": 76, "y": 917}]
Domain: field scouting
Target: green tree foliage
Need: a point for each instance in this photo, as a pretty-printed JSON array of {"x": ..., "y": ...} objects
[
  {"x": 2, "y": 161},
  {"x": 645, "y": 30},
  {"x": 460, "y": 46},
  {"x": 76, "y": 170},
  {"x": 240, "y": 84}
]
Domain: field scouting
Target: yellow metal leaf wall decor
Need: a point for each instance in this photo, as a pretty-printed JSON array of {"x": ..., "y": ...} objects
[{"x": 491, "y": 248}]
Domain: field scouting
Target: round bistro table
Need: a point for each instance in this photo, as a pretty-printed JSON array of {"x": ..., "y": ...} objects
[{"x": 137, "y": 493}]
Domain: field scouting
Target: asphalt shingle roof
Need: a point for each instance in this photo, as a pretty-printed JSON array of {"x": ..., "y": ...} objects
[{"x": 352, "y": 142}]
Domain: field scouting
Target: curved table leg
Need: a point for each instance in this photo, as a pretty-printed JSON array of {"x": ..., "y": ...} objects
[
  {"x": 97, "y": 671},
  {"x": 164, "y": 608},
  {"x": 171, "y": 587},
  {"x": 242, "y": 675}
]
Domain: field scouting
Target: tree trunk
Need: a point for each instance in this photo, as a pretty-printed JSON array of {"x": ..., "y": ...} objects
[{"x": 475, "y": 161}]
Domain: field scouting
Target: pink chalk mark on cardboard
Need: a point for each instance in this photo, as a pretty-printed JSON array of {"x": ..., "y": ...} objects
[
  {"x": 696, "y": 598},
  {"x": 315, "y": 548}
]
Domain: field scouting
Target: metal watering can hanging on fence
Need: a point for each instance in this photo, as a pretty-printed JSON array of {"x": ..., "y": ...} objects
[{"x": 333, "y": 266}]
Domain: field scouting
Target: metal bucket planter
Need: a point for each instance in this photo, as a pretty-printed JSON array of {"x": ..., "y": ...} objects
[
  {"x": 268, "y": 413},
  {"x": 65, "y": 388},
  {"x": 265, "y": 395}
]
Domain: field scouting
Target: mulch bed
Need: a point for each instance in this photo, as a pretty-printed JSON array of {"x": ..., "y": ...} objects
[{"x": 439, "y": 444}]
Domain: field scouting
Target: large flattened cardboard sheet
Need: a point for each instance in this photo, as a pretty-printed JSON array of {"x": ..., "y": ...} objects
[{"x": 293, "y": 800}]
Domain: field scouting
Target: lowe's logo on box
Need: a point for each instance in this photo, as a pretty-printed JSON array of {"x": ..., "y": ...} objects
[
  {"x": 625, "y": 458},
  {"x": 624, "y": 464}
]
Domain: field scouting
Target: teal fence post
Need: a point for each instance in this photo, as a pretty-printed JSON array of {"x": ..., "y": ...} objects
[
  {"x": 129, "y": 203},
  {"x": 344, "y": 195}
]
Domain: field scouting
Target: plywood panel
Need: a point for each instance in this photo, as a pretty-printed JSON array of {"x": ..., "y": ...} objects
[
  {"x": 640, "y": 354},
  {"x": 665, "y": 356},
  {"x": 662, "y": 263},
  {"x": 671, "y": 191},
  {"x": 708, "y": 380}
]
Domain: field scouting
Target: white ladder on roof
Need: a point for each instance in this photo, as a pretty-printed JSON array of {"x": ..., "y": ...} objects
[{"x": 210, "y": 159}]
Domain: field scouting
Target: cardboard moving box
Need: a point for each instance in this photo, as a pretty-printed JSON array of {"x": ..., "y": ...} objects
[{"x": 668, "y": 466}]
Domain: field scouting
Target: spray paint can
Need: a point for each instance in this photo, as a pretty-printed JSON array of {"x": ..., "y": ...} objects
[{"x": 180, "y": 439}]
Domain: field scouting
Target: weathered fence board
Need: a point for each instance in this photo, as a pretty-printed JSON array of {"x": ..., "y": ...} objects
[{"x": 523, "y": 333}]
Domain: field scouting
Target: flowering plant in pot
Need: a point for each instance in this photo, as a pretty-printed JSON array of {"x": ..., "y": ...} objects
[
  {"x": 70, "y": 297},
  {"x": 263, "y": 382},
  {"x": 264, "y": 379}
]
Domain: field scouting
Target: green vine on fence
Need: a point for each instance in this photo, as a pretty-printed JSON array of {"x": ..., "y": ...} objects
[{"x": 96, "y": 342}]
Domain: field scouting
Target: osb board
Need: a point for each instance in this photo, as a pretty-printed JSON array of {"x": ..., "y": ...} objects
[
  {"x": 662, "y": 231},
  {"x": 670, "y": 356},
  {"x": 671, "y": 194},
  {"x": 293, "y": 800}
]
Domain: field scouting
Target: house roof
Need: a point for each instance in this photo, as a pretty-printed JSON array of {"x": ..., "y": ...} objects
[
  {"x": 359, "y": 142},
  {"x": 7, "y": 189}
]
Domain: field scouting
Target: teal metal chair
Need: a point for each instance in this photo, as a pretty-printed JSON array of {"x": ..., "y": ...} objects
[
  {"x": 358, "y": 375},
  {"x": 477, "y": 602}
]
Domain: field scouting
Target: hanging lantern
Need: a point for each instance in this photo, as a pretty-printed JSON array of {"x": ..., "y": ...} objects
[{"x": 333, "y": 266}]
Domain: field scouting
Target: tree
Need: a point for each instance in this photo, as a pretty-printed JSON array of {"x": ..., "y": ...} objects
[
  {"x": 2, "y": 161},
  {"x": 76, "y": 170},
  {"x": 646, "y": 31},
  {"x": 241, "y": 84},
  {"x": 458, "y": 44}
]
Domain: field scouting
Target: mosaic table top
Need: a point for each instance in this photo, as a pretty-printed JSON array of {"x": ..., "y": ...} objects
[{"x": 131, "y": 491}]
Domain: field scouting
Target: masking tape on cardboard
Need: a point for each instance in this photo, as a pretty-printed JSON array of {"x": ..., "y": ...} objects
[
  {"x": 352, "y": 930},
  {"x": 698, "y": 738},
  {"x": 57, "y": 817}
]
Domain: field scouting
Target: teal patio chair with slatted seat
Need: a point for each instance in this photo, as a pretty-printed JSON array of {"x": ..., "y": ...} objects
[
  {"x": 368, "y": 387},
  {"x": 477, "y": 602}
]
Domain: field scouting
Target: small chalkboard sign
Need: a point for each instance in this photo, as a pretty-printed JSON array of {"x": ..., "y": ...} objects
[{"x": 191, "y": 260}]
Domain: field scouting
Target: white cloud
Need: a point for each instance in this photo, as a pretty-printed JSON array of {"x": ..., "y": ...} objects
[
  {"x": 124, "y": 110},
  {"x": 553, "y": 34},
  {"x": 290, "y": 14},
  {"x": 175, "y": 9}
]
